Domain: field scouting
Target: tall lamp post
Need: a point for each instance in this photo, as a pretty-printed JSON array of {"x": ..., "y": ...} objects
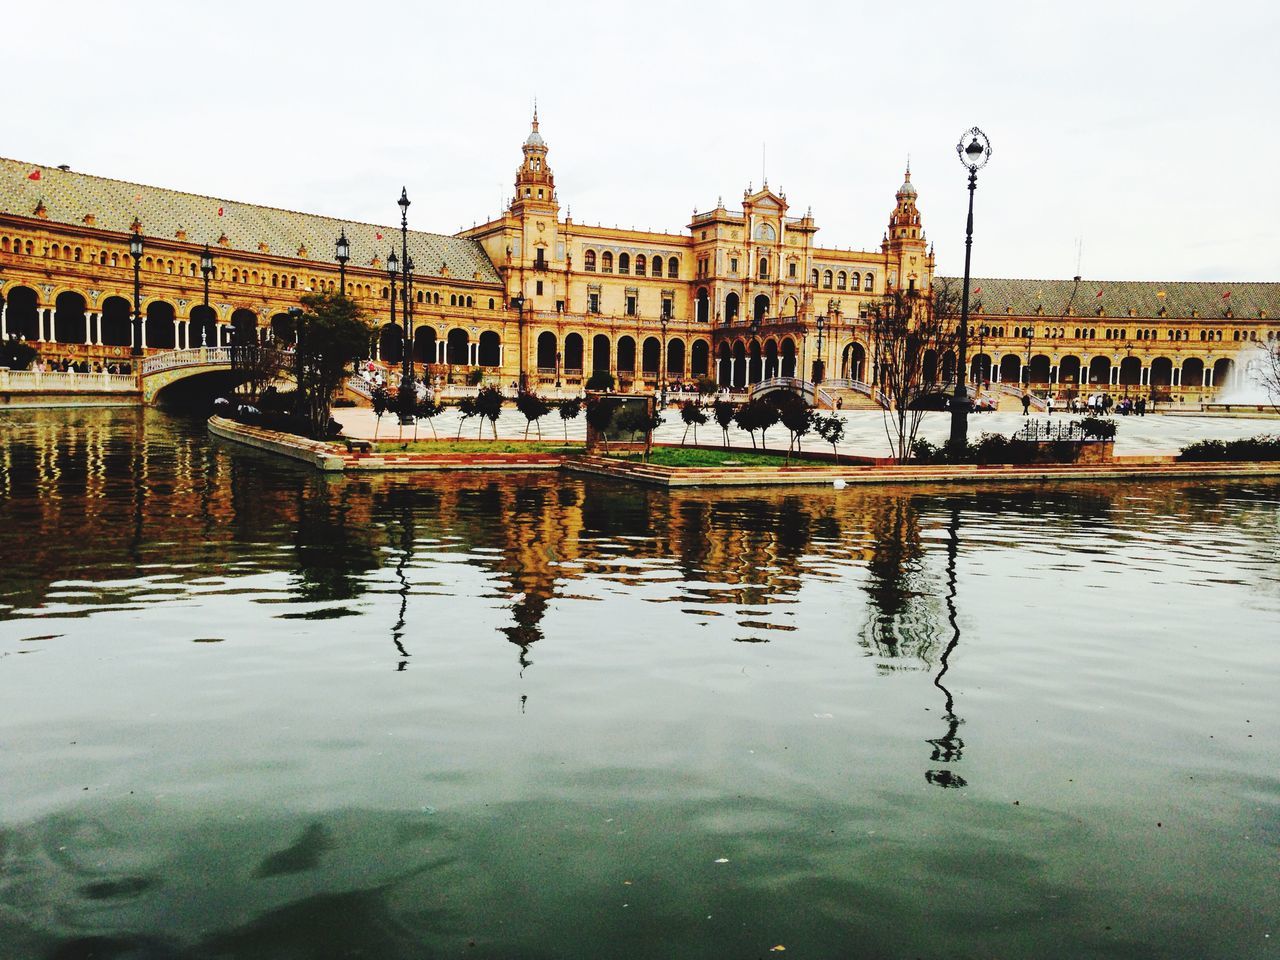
[
  {"x": 518, "y": 302},
  {"x": 974, "y": 156},
  {"x": 343, "y": 254},
  {"x": 406, "y": 266},
  {"x": 662, "y": 360},
  {"x": 206, "y": 268},
  {"x": 135, "y": 251},
  {"x": 393, "y": 268},
  {"x": 819, "y": 320}
]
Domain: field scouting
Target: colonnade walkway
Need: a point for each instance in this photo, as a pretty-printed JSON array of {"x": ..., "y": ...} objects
[{"x": 1154, "y": 434}]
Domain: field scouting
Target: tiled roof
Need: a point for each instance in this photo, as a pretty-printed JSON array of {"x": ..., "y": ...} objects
[
  {"x": 1178, "y": 298},
  {"x": 69, "y": 196}
]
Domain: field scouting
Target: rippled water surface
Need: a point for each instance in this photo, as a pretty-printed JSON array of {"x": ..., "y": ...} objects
[{"x": 250, "y": 712}]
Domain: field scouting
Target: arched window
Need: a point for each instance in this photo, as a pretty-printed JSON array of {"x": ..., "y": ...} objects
[
  {"x": 275, "y": 280},
  {"x": 624, "y": 263},
  {"x": 469, "y": 302},
  {"x": 589, "y": 261},
  {"x": 640, "y": 265},
  {"x": 766, "y": 232},
  {"x": 764, "y": 268},
  {"x": 673, "y": 268},
  {"x": 855, "y": 281},
  {"x": 841, "y": 280},
  {"x": 826, "y": 279},
  {"x": 293, "y": 283},
  {"x": 606, "y": 262},
  {"x": 813, "y": 277},
  {"x": 870, "y": 282},
  {"x": 491, "y": 303}
]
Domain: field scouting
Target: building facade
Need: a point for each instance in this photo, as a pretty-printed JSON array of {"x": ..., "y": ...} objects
[{"x": 740, "y": 295}]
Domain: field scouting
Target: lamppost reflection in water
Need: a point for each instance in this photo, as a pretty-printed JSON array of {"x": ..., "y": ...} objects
[{"x": 949, "y": 747}]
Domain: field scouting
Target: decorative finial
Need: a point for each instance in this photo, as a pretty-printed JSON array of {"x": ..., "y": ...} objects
[
  {"x": 720, "y": 202},
  {"x": 535, "y": 113},
  {"x": 908, "y": 168}
]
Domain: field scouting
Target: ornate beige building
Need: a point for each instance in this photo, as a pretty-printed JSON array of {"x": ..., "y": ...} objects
[{"x": 741, "y": 295}]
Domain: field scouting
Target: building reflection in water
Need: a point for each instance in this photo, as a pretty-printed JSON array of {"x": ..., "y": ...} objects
[{"x": 134, "y": 507}]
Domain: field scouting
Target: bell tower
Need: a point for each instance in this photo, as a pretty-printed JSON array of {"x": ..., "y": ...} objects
[
  {"x": 909, "y": 263},
  {"x": 535, "y": 184}
]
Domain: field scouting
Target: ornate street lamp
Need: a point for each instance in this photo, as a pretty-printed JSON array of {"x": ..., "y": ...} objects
[
  {"x": 558, "y": 359},
  {"x": 406, "y": 265},
  {"x": 343, "y": 254},
  {"x": 974, "y": 156},
  {"x": 518, "y": 302},
  {"x": 135, "y": 251},
  {"x": 393, "y": 268},
  {"x": 206, "y": 268},
  {"x": 820, "y": 320},
  {"x": 662, "y": 359}
]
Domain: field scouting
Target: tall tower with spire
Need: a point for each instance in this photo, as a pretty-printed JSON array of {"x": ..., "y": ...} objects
[
  {"x": 535, "y": 184},
  {"x": 910, "y": 264}
]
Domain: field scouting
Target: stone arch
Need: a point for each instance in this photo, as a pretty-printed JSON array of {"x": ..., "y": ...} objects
[
  {"x": 675, "y": 357},
  {"x": 116, "y": 322},
  {"x": 489, "y": 349},
  {"x": 703, "y": 301},
  {"x": 650, "y": 356},
  {"x": 1069, "y": 369},
  {"x": 980, "y": 368},
  {"x": 282, "y": 328},
  {"x": 790, "y": 306},
  {"x": 244, "y": 328},
  {"x": 573, "y": 351},
  {"x": 424, "y": 344},
  {"x": 1192, "y": 372},
  {"x": 1223, "y": 369},
  {"x": 391, "y": 343},
  {"x": 739, "y": 364},
  {"x": 70, "y": 324},
  {"x": 929, "y": 366},
  {"x": 1011, "y": 368},
  {"x": 160, "y": 325},
  {"x": 755, "y": 362},
  {"x": 601, "y": 353},
  {"x": 788, "y": 347},
  {"x": 699, "y": 357},
  {"x": 770, "y": 359},
  {"x": 627, "y": 355},
  {"x": 1161, "y": 374},
  {"x": 1130, "y": 372},
  {"x": 760, "y": 310},
  {"x": 948, "y": 367},
  {"x": 1038, "y": 371},
  {"x": 22, "y": 313},
  {"x": 853, "y": 362},
  {"x": 457, "y": 348},
  {"x": 546, "y": 350},
  {"x": 1100, "y": 371},
  {"x": 731, "y": 307},
  {"x": 724, "y": 365}
]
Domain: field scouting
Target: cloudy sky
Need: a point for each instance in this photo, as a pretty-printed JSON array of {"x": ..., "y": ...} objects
[{"x": 1146, "y": 131}]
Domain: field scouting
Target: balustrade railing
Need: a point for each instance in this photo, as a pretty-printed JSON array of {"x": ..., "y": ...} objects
[
  {"x": 1050, "y": 430},
  {"x": 36, "y": 380},
  {"x": 195, "y": 356}
]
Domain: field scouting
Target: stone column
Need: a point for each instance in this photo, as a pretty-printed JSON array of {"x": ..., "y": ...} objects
[
  {"x": 41, "y": 315},
  {"x": 97, "y": 328},
  {"x": 4, "y": 321}
]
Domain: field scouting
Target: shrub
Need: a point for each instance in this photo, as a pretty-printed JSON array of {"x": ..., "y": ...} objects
[
  {"x": 1263, "y": 448},
  {"x": 601, "y": 380},
  {"x": 1098, "y": 428},
  {"x": 475, "y": 377},
  {"x": 600, "y": 411}
]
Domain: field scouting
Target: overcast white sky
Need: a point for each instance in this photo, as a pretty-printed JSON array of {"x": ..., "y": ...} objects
[{"x": 1149, "y": 129}]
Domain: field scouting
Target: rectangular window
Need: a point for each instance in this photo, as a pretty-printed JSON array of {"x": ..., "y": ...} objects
[
  {"x": 733, "y": 265},
  {"x": 791, "y": 270},
  {"x": 666, "y": 308},
  {"x": 539, "y": 288},
  {"x": 631, "y": 306},
  {"x": 559, "y": 306},
  {"x": 593, "y": 303}
]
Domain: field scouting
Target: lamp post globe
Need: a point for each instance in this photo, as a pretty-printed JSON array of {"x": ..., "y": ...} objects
[
  {"x": 342, "y": 253},
  {"x": 135, "y": 251},
  {"x": 974, "y": 150},
  {"x": 206, "y": 268}
]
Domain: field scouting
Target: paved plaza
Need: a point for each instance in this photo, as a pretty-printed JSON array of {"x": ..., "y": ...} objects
[{"x": 865, "y": 430}]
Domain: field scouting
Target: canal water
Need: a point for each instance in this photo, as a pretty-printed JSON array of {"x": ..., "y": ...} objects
[{"x": 247, "y": 711}]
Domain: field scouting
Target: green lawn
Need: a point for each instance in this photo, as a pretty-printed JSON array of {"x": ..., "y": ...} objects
[
  {"x": 445, "y": 447},
  {"x": 690, "y": 457}
]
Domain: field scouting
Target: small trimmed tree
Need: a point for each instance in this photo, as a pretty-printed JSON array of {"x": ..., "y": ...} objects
[
  {"x": 693, "y": 416},
  {"x": 797, "y": 417},
  {"x": 381, "y": 400},
  {"x": 600, "y": 411},
  {"x": 601, "y": 380},
  {"x": 831, "y": 429},
  {"x": 570, "y": 409},
  {"x": 331, "y": 332},
  {"x": 534, "y": 409},
  {"x": 489, "y": 405},
  {"x": 427, "y": 410},
  {"x": 466, "y": 410},
  {"x": 706, "y": 387},
  {"x": 723, "y": 411}
]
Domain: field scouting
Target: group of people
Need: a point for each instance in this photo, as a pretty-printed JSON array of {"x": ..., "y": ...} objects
[
  {"x": 67, "y": 365},
  {"x": 1095, "y": 404}
]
